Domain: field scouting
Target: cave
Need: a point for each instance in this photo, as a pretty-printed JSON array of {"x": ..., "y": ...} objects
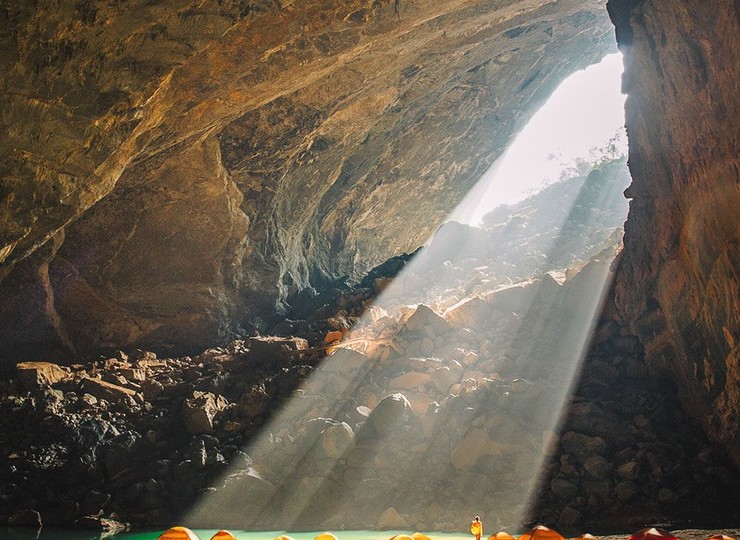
[{"x": 204, "y": 204}]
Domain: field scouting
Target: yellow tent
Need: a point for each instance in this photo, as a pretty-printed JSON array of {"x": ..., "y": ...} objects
[
  {"x": 420, "y": 536},
  {"x": 325, "y": 536},
  {"x": 401, "y": 537},
  {"x": 501, "y": 536},
  {"x": 178, "y": 533},
  {"x": 223, "y": 535},
  {"x": 540, "y": 532}
]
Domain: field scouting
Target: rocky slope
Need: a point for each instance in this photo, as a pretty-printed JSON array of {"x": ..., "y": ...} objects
[
  {"x": 175, "y": 170},
  {"x": 419, "y": 413},
  {"x": 389, "y": 431},
  {"x": 678, "y": 284}
]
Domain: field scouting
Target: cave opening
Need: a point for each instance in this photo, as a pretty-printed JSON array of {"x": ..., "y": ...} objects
[{"x": 581, "y": 123}]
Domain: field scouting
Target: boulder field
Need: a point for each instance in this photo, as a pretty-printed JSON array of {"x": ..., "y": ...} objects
[
  {"x": 178, "y": 176},
  {"x": 409, "y": 420}
]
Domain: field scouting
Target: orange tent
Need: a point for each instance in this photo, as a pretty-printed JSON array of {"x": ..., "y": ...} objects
[
  {"x": 178, "y": 533},
  {"x": 420, "y": 536},
  {"x": 501, "y": 536},
  {"x": 325, "y": 536},
  {"x": 720, "y": 537},
  {"x": 540, "y": 532},
  {"x": 652, "y": 533},
  {"x": 401, "y": 537},
  {"x": 223, "y": 535}
]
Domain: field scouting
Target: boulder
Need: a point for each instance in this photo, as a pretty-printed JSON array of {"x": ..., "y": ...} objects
[
  {"x": 273, "y": 351},
  {"x": 582, "y": 446},
  {"x": 388, "y": 415},
  {"x": 334, "y": 442},
  {"x": 626, "y": 491},
  {"x": 255, "y": 401},
  {"x": 563, "y": 489},
  {"x": 132, "y": 374},
  {"x": 469, "y": 313},
  {"x": 426, "y": 320},
  {"x": 373, "y": 490},
  {"x": 598, "y": 467},
  {"x": 629, "y": 470},
  {"x": 471, "y": 447},
  {"x": 200, "y": 410},
  {"x": 413, "y": 380},
  {"x": 513, "y": 298},
  {"x": 108, "y": 391},
  {"x": 33, "y": 375},
  {"x": 390, "y": 519},
  {"x": 443, "y": 378}
]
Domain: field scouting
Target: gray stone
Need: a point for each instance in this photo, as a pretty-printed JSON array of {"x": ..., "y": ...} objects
[
  {"x": 582, "y": 446},
  {"x": 424, "y": 319},
  {"x": 563, "y": 489},
  {"x": 335, "y": 441},
  {"x": 598, "y": 467}
]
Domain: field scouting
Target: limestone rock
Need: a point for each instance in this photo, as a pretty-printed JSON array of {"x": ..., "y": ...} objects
[
  {"x": 105, "y": 390},
  {"x": 677, "y": 283},
  {"x": 469, "y": 313},
  {"x": 200, "y": 411},
  {"x": 426, "y": 320},
  {"x": 255, "y": 401},
  {"x": 390, "y": 519},
  {"x": 517, "y": 297},
  {"x": 598, "y": 467},
  {"x": 389, "y": 414},
  {"x": 196, "y": 179},
  {"x": 582, "y": 446},
  {"x": 274, "y": 351},
  {"x": 32, "y": 375}
]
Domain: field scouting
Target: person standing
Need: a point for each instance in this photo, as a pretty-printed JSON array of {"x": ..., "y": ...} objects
[{"x": 476, "y": 528}]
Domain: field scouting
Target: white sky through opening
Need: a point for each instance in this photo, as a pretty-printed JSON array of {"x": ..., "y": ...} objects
[{"x": 583, "y": 113}]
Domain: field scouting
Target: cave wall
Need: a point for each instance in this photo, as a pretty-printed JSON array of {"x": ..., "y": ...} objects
[
  {"x": 174, "y": 171},
  {"x": 678, "y": 283}
]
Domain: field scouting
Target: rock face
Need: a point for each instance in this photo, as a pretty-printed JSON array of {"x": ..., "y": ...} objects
[
  {"x": 678, "y": 283},
  {"x": 175, "y": 171}
]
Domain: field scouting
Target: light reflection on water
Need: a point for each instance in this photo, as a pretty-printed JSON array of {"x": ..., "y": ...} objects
[{"x": 20, "y": 533}]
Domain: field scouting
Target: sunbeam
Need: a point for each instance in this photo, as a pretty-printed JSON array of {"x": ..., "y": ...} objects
[{"x": 444, "y": 400}]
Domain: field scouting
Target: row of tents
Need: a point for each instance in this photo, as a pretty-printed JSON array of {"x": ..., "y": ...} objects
[{"x": 540, "y": 532}]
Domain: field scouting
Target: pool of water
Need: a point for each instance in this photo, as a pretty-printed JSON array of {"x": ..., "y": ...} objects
[{"x": 57, "y": 534}]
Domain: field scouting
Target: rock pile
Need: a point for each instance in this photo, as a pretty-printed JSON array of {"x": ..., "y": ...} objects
[
  {"x": 430, "y": 418},
  {"x": 386, "y": 412},
  {"x": 135, "y": 437}
]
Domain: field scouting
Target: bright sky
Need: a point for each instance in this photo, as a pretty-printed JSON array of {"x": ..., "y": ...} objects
[{"x": 583, "y": 113}]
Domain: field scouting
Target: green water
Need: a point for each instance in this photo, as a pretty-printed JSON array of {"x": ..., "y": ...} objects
[{"x": 56, "y": 534}]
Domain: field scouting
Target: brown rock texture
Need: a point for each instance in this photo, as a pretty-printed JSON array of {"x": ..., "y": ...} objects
[
  {"x": 173, "y": 172},
  {"x": 678, "y": 283}
]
